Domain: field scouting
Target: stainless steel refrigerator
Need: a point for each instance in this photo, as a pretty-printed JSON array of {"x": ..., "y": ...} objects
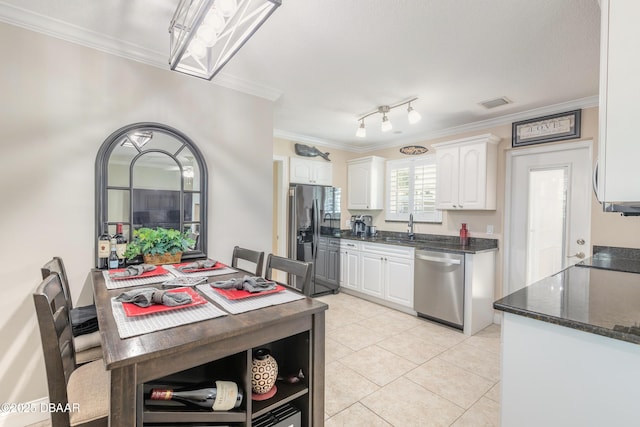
[{"x": 314, "y": 230}]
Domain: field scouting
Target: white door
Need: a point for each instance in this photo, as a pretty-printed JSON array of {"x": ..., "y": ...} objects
[{"x": 548, "y": 211}]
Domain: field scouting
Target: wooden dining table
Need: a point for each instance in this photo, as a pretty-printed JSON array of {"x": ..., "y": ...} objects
[{"x": 141, "y": 359}]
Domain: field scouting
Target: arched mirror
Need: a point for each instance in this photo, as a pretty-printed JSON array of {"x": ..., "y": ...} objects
[{"x": 151, "y": 175}]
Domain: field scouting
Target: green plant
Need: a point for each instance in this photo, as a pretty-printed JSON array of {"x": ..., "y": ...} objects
[{"x": 158, "y": 241}]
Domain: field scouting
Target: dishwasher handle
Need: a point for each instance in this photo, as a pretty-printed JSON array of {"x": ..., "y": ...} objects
[{"x": 437, "y": 259}]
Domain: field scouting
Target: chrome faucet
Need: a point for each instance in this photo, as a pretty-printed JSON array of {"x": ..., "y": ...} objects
[{"x": 410, "y": 234}]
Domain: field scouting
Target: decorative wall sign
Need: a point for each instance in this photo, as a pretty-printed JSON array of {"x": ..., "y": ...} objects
[
  {"x": 413, "y": 150},
  {"x": 555, "y": 127}
]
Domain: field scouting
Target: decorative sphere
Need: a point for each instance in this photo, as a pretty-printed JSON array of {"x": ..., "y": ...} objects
[{"x": 264, "y": 371}]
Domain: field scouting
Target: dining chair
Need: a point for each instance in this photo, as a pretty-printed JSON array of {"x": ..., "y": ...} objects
[
  {"x": 254, "y": 257},
  {"x": 300, "y": 269},
  {"x": 84, "y": 389},
  {"x": 87, "y": 346}
]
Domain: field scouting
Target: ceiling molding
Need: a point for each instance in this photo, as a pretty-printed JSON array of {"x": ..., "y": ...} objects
[
  {"x": 68, "y": 32},
  {"x": 358, "y": 147}
]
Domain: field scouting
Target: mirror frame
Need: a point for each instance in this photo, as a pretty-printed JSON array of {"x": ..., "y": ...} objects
[{"x": 102, "y": 180}]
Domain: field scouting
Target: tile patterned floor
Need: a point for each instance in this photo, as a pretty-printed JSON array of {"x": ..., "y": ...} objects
[{"x": 387, "y": 368}]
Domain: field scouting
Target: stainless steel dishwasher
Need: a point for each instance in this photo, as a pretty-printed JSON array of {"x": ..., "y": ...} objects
[{"x": 438, "y": 292}]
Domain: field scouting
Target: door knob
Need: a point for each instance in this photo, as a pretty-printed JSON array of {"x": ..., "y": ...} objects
[{"x": 578, "y": 255}]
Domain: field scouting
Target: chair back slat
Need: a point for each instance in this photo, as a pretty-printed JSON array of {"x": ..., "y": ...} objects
[
  {"x": 249, "y": 255},
  {"x": 55, "y": 265},
  {"x": 301, "y": 270},
  {"x": 56, "y": 337}
]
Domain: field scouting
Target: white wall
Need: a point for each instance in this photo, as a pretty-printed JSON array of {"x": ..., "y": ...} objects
[{"x": 59, "y": 102}]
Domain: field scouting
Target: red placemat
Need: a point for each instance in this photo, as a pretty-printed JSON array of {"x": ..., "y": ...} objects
[
  {"x": 131, "y": 310},
  {"x": 159, "y": 271},
  {"x": 234, "y": 294},
  {"x": 217, "y": 266}
]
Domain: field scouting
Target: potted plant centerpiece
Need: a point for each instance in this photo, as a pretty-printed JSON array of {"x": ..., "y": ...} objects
[{"x": 158, "y": 246}]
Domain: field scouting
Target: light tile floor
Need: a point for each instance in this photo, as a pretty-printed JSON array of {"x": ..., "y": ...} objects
[{"x": 387, "y": 368}]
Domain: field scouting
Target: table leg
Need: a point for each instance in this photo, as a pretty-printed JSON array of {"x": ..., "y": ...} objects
[{"x": 123, "y": 397}]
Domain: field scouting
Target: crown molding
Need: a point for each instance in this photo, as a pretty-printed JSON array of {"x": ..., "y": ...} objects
[
  {"x": 62, "y": 30},
  {"x": 358, "y": 147}
]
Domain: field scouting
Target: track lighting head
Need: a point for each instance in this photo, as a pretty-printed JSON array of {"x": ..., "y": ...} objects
[
  {"x": 361, "y": 132},
  {"x": 413, "y": 116},
  {"x": 386, "y": 125}
]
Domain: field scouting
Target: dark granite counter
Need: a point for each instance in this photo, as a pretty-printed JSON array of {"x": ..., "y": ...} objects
[
  {"x": 594, "y": 300},
  {"x": 430, "y": 242},
  {"x": 612, "y": 258}
]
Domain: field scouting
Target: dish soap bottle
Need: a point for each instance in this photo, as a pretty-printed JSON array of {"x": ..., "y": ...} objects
[{"x": 464, "y": 235}]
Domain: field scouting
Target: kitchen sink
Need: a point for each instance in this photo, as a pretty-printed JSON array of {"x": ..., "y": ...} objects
[{"x": 396, "y": 240}]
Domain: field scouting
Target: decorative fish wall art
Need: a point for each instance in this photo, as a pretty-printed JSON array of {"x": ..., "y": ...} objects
[{"x": 306, "y": 151}]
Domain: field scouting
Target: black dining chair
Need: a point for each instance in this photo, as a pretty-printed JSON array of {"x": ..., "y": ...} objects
[
  {"x": 301, "y": 270},
  {"x": 87, "y": 346},
  {"x": 84, "y": 389},
  {"x": 249, "y": 255}
]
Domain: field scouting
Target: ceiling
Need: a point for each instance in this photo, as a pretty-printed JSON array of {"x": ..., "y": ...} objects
[{"x": 325, "y": 63}]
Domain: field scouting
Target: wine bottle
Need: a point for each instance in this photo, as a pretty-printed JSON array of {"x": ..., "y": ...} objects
[
  {"x": 113, "y": 255},
  {"x": 121, "y": 244},
  {"x": 224, "y": 396},
  {"x": 104, "y": 242}
]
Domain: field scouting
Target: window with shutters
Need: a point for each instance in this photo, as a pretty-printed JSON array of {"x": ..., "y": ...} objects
[{"x": 411, "y": 188}]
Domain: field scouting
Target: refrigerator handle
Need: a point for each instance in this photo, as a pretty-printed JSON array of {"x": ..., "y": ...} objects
[
  {"x": 292, "y": 224},
  {"x": 316, "y": 229}
]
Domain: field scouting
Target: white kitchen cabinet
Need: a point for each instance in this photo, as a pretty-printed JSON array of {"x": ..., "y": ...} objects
[
  {"x": 350, "y": 264},
  {"x": 303, "y": 171},
  {"x": 398, "y": 279},
  {"x": 372, "y": 273},
  {"x": 618, "y": 151},
  {"x": 466, "y": 173},
  {"x": 365, "y": 183},
  {"x": 387, "y": 273}
]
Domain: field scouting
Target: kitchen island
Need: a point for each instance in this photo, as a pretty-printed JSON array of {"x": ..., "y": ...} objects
[
  {"x": 571, "y": 349},
  {"x": 221, "y": 348}
]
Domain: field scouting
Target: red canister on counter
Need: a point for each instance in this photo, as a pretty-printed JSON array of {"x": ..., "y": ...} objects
[{"x": 464, "y": 235}]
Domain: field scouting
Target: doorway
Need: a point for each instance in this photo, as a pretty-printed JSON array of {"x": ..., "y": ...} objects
[
  {"x": 547, "y": 211},
  {"x": 279, "y": 226}
]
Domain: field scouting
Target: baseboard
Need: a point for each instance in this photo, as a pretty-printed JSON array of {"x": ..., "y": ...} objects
[{"x": 21, "y": 419}]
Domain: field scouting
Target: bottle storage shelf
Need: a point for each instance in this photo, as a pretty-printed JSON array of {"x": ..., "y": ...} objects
[{"x": 293, "y": 355}]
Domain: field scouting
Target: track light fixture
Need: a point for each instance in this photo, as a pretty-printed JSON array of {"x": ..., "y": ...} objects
[{"x": 412, "y": 115}]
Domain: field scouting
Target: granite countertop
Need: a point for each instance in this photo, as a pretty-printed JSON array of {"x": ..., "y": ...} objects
[
  {"x": 594, "y": 300},
  {"x": 612, "y": 258},
  {"x": 430, "y": 242}
]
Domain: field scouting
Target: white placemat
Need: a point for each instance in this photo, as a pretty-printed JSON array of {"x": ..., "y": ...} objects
[
  {"x": 248, "y": 304},
  {"x": 219, "y": 272},
  {"x": 125, "y": 283},
  {"x": 139, "y": 325}
]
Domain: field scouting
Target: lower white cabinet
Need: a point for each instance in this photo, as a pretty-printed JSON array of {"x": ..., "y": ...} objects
[
  {"x": 349, "y": 264},
  {"x": 384, "y": 272}
]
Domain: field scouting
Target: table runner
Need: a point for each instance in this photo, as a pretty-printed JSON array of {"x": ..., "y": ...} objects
[
  {"x": 219, "y": 272},
  {"x": 125, "y": 283},
  {"x": 139, "y": 325},
  {"x": 249, "y": 304}
]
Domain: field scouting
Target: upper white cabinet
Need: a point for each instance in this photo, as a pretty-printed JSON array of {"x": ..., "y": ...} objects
[
  {"x": 466, "y": 173},
  {"x": 618, "y": 150},
  {"x": 303, "y": 171},
  {"x": 365, "y": 182}
]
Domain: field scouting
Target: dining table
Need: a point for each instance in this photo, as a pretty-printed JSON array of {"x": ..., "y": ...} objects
[{"x": 141, "y": 349}]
